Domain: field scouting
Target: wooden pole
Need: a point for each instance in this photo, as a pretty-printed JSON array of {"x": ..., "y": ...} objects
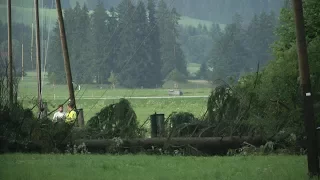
[
  {"x": 44, "y": 114},
  {"x": 80, "y": 118},
  {"x": 22, "y": 61},
  {"x": 45, "y": 60},
  {"x": 313, "y": 159},
  {"x": 10, "y": 66},
  {"x": 65, "y": 53},
  {"x": 32, "y": 46},
  {"x": 38, "y": 54}
]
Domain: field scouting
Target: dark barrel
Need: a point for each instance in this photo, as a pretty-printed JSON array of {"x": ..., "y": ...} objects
[{"x": 157, "y": 125}]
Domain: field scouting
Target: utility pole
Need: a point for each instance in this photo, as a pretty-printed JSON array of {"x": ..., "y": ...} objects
[
  {"x": 31, "y": 45},
  {"x": 10, "y": 78},
  {"x": 38, "y": 55},
  {"x": 65, "y": 53},
  {"x": 22, "y": 61},
  {"x": 313, "y": 159}
]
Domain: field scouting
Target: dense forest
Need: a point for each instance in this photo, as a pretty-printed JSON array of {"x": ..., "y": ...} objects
[
  {"x": 143, "y": 45},
  {"x": 219, "y": 11},
  {"x": 215, "y": 10},
  {"x": 122, "y": 42}
]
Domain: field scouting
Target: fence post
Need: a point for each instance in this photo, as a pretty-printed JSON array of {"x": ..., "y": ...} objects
[{"x": 80, "y": 118}]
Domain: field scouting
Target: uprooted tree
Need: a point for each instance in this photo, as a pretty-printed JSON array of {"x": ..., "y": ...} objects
[{"x": 115, "y": 120}]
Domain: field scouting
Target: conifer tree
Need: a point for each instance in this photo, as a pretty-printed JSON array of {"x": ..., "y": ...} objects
[
  {"x": 172, "y": 55},
  {"x": 154, "y": 42}
]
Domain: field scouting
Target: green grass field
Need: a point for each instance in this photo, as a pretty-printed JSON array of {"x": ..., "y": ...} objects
[
  {"x": 84, "y": 167},
  {"x": 193, "y": 68},
  {"x": 92, "y": 99}
]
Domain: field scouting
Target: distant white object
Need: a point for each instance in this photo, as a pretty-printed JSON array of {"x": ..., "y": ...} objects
[
  {"x": 308, "y": 94},
  {"x": 175, "y": 93}
]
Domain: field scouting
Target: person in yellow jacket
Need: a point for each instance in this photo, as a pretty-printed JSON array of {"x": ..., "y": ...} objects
[{"x": 71, "y": 116}]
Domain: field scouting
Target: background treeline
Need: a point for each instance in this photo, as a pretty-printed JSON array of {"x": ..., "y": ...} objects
[
  {"x": 137, "y": 48},
  {"x": 21, "y": 34},
  {"x": 219, "y": 11},
  {"x": 143, "y": 45}
]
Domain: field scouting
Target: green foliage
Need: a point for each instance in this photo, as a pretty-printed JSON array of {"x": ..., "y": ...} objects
[
  {"x": 126, "y": 40},
  {"x": 212, "y": 10},
  {"x": 240, "y": 49},
  {"x": 154, "y": 41},
  {"x": 274, "y": 93},
  {"x": 23, "y": 131},
  {"x": 21, "y": 34},
  {"x": 180, "y": 118},
  {"x": 227, "y": 112},
  {"x": 204, "y": 72},
  {"x": 172, "y": 55},
  {"x": 113, "y": 80},
  {"x": 222, "y": 105},
  {"x": 116, "y": 120},
  {"x": 176, "y": 76},
  {"x": 183, "y": 124},
  {"x": 195, "y": 43}
]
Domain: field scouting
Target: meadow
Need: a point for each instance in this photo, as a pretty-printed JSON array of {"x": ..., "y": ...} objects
[
  {"x": 92, "y": 98},
  {"x": 142, "y": 167}
]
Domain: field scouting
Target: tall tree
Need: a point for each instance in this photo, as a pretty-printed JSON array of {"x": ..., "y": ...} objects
[
  {"x": 113, "y": 44},
  {"x": 171, "y": 53},
  {"x": 142, "y": 60},
  {"x": 77, "y": 30},
  {"x": 99, "y": 38},
  {"x": 229, "y": 54},
  {"x": 81, "y": 47},
  {"x": 56, "y": 72},
  {"x": 260, "y": 35},
  {"x": 128, "y": 69},
  {"x": 154, "y": 42}
]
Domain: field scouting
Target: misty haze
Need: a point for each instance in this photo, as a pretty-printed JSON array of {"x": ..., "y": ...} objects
[{"x": 221, "y": 85}]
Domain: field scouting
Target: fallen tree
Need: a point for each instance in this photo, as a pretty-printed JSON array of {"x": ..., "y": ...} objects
[{"x": 200, "y": 146}]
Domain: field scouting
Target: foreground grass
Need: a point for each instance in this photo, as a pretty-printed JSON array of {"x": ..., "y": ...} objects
[{"x": 78, "y": 167}]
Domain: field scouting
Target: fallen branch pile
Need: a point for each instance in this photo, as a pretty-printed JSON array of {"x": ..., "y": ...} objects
[{"x": 207, "y": 146}]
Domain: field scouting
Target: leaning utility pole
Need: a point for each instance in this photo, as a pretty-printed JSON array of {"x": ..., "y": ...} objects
[
  {"x": 22, "y": 62},
  {"x": 65, "y": 53},
  {"x": 10, "y": 66},
  {"x": 38, "y": 55},
  {"x": 313, "y": 160},
  {"x": 31, "y": 45}
]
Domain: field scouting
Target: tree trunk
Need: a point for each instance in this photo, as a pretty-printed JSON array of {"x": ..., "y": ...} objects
[{"x": 209, "y": 146}]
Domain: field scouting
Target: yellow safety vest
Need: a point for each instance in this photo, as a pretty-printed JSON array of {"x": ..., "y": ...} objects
[{"x": 71, "y": 117}]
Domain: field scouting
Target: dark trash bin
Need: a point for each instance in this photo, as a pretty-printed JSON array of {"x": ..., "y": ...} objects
[{"x": 157, "y": 125}]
